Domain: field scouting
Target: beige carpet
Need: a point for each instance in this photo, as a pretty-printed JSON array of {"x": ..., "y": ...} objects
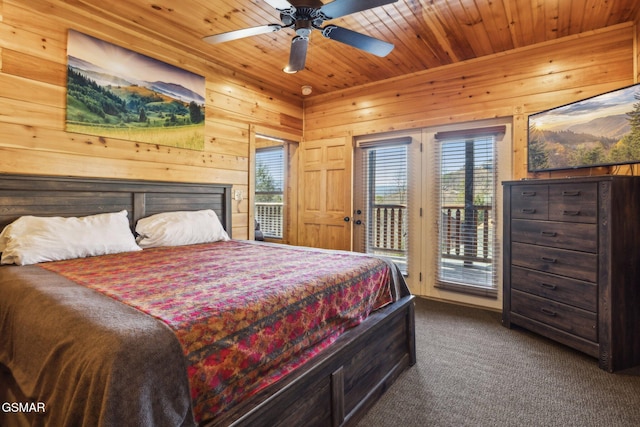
[{"x": 472, "y": 371}]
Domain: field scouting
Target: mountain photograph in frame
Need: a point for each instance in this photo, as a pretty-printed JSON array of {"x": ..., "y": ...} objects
[
  {"x": 603, "y": 130},
  {"x": 113, "y": 92}
]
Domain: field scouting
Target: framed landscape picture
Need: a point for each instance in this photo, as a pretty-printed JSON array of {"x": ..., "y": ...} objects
[
  {"x": 114, "y": 92},
  {"x": 603, "y": 130}
]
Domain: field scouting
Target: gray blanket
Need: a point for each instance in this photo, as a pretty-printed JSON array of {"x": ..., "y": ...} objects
[{"x": 91, "y": 360}]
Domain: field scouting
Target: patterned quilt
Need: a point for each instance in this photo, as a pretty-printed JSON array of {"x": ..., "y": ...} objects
[{"x": 245, "y": 314}]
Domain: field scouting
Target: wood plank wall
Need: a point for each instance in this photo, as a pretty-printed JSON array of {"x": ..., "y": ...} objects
[
  {"x": 514, "y": 84},
  {"x": 33, "y": 40}
]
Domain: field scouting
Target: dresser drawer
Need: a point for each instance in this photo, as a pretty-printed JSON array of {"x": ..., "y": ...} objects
[
  {"x": 530, "y": 201},
  {"x": 574, "y": 202},
  {"x": 582, "y": 237},
  {"x": 578, "y": 265},
  {"x": 572, "y": 292},
  {"x": 578, "y": 322}
]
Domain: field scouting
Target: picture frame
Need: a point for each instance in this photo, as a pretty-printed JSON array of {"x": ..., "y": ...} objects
[
  {"x": 603, "y": 130},
  {"x": 113, "y": 92}
]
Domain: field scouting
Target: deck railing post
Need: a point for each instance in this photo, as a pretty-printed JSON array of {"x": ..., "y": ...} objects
[
  {"x": 270, "y": 217},
  {"x": 468, "y": 240}
]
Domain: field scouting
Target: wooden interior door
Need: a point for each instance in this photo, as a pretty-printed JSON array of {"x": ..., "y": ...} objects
[{"x": 325, "y": 194}]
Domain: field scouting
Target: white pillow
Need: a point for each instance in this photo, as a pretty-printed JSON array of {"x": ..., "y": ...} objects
[
  {"x": 32, "y": 239},
  {"x": 180, "y": 228}
]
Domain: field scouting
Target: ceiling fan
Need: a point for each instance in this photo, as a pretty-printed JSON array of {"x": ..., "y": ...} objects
[{"x": 307, "y": 15}]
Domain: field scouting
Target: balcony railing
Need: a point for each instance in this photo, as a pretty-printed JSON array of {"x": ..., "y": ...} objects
[
  {"x": 270, "y": 217},
  {"x": 465, "y": 241},
  {"x": 390, "y": 227},
  {"x": 468, "y": 240}
]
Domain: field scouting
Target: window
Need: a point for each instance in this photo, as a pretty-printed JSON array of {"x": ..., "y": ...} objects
[
  {"x": 269, "y": 200},
  {"x": 466, "y": 210}
]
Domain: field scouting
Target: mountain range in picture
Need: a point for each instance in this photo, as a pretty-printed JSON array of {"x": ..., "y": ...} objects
[
  {"x": 106, "y": 79},
  {"x": 614, "y": 126},
  {"x": 598, "y": 131}
]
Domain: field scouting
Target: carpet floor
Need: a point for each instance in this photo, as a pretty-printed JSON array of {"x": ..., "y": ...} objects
[{"x": 472, "y": 371}]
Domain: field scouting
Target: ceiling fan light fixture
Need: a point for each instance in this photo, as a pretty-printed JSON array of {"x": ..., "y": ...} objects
[{"x": 303, "y": 16}]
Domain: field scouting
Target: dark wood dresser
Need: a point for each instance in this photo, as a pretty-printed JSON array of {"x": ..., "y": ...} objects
[{"x": 572, "y": 264}]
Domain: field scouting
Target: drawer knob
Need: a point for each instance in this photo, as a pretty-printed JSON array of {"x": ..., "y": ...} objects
[
  {"x": 548, "y": 259},
  {"x": 549, "y": 233},
  {"x": 571, "y": 193},
  {"x": 548, "y": 286},
  {"x": 548, "y": 312},
  {"x": 571, "y": 213},
  {"x": 528, "y": 211}
]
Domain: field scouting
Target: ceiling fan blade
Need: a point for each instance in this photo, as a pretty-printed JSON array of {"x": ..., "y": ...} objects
[
  {"x": 279, "y": 4},
  {"x": 298, "y": 55},
  {"x": 338, "y": 8},
  {"x": 239, "y": 34},
  {"x": 358, "y": 40}
]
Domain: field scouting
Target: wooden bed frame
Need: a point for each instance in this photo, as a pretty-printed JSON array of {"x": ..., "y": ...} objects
[{"x": 335, "y": 389}]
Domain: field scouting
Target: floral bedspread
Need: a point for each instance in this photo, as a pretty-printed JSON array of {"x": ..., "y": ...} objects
[{"x": 245, "y": 314}]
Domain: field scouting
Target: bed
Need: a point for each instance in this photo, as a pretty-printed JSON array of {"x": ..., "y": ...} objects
[{"x": 332, "y": 384}]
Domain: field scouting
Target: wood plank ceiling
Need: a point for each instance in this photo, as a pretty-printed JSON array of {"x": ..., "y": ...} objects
[{"x": 426, "y": 34}]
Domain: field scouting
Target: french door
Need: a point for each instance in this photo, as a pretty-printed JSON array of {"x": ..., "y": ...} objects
[
  {"x": 463, "y": 218},
  {"x": 386, "y": 215}
]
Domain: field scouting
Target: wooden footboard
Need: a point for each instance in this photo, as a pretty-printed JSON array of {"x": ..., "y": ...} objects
[
  {"x": 335, "y": 389},
  {"x": 340, "y": 386}
]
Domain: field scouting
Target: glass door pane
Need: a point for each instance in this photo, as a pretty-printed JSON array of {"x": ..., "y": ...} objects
[
  {"x": 466, "y": 185},
  {"x": 387, "y": 204},
  {"x": 381, "y": 215}
]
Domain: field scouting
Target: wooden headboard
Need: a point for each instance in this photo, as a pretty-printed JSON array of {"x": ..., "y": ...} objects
[{"x": 73, "y": 196}]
